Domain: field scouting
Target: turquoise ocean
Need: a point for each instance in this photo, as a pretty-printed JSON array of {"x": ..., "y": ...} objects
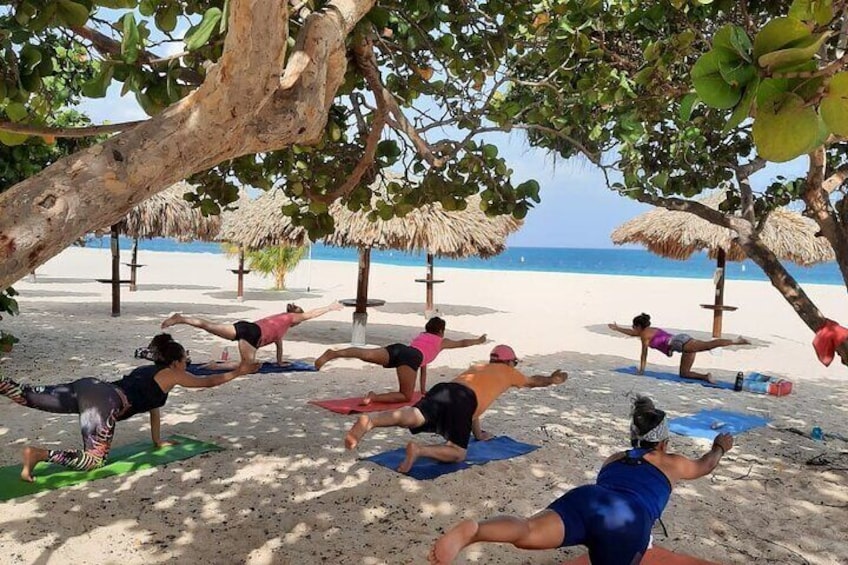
[{"x": 618, "y": 261}]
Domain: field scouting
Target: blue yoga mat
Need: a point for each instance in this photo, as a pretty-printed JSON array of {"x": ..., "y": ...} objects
[
  {"x": 675, "y": 377},
  {"x": 479, "y": 452},
  {"x": 709, "y": 423},
  {"x": 266, "y": 368}
]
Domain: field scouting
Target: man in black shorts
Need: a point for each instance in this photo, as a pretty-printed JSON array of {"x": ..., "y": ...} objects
[{"x": 452, "y": 410}]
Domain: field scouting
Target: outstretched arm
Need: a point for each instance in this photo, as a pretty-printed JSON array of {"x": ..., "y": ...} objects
[
  {"x": 171, "y": 377},
  {"x": 317, "y": 312},
  {"x": 279, "y": 344},
  {"x": 683, "y": 468},
  {"x": 621, "y": 329},
  {"x": 557, "y": 377},
  {"x": 457, "y": 343}
]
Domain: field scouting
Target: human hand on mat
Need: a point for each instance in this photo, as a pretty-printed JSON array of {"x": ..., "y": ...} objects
[
  {"x": 559, "y": 376},
  {"x": 723, "y": 442},
  {"x": 482, "y": 339},
  {"x": 483, "y": 436}
]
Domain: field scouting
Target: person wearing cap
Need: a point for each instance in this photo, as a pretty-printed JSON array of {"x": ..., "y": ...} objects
[
  {"x": 612, "y": 517},
  {"x": 452, "y": 409}
]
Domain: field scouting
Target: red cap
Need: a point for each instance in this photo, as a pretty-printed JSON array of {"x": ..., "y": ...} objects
[
  {"x": 502, "y": 353},
  {"x": 828, "y": 338}
]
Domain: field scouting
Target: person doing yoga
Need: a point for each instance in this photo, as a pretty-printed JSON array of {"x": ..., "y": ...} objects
[
  {"x": 661, "y": 340},
  {"x": 101, "y": 404},
  {"x": 453, "y": 409},
  {"x": 253, "y": 335},
  {"x": 612, "y": 517},
  {"x": 405, "y": 359}
]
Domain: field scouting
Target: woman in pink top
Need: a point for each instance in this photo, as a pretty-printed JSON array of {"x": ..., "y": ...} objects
[
  {"x": 405, "y": 359},
  {"x": 661, "y": 340},
  {"x": 253, "y": 335}
]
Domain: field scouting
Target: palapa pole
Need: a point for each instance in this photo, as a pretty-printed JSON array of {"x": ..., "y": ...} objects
[
  {"x": 429, "y": 283},
  {"x": 133, "y": 264},
  {"x": 240, "y": 291},
  {"x": 360, "y": 313},
  {"x": 116, "y": 272},
  {"x": 719, "y": 292}
]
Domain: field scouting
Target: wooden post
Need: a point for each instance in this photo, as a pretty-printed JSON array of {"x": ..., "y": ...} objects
[
  {"x": 362, "y": 281},
  {"x": 116, "y": 272},
  {"x": 429, "y": 283},
  {"x": 133, "y": 263},
  {"x": 719, "y": 292},
  {"x": 240, "y": 291}
]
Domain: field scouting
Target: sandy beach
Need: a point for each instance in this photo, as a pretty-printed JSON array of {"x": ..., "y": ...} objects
[{"x": 286, "y": 491}]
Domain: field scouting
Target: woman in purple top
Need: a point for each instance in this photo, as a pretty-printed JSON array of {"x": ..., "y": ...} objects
[
  {"x": 404, "y": 359},
  {"x": 661, "y": 340},
  {"x": 253, "y": 335}
]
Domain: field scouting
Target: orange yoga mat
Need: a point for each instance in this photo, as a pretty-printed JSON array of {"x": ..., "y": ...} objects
[{"x": 655, "y": 556}]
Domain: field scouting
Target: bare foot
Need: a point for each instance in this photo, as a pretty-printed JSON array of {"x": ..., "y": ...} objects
[
  {"x": 368, "y": 399},
  {"x": 360, "y": 428},
  {"x": 31, "y": 456},
  {"x": 709, "y": 378},
  {"x": 172, "y": 320},
  {"x": 326, "y": 356},
  {"x": 412, "y": 452},
  {"x": 741, "y": 341},
  {"x": 449, "y": 545}
]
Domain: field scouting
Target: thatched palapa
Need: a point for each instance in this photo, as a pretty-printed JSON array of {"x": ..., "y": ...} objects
[{"x": 677, "y": 235}]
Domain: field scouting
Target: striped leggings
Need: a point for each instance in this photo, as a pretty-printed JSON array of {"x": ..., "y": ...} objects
[{"x": 97, "y": 403}]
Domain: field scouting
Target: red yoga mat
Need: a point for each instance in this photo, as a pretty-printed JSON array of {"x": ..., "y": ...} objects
[
  {"x": 654, "y": 556},
  {"x": 353, "y": 406}
]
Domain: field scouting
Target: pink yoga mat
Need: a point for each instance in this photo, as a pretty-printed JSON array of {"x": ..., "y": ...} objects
[
  {"x": 654, "y": 556},
  {"x": 352, "y": 406}
]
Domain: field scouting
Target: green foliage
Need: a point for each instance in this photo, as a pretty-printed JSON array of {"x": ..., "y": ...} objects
[
  {"x": 8, "y": 305},
  {"x": 273, "y": 261}
]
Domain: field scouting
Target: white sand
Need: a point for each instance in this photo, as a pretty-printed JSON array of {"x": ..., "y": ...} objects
[{"x": 286, "y": 491}]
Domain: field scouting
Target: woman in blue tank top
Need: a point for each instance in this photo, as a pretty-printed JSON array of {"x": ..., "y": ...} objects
[
  {"x": 102, "y": 404},
  {"x": 613, "y": 517}
]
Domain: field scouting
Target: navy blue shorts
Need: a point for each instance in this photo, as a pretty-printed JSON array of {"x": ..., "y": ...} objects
[
  {"x": 614, "y": 526},
  {"x": 249, "y": 332},
  {"x": 401, "y": 355}
]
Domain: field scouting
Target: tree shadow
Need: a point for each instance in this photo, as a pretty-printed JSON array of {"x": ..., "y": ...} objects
[
  {"x": 259, "y": 295},
  {"x": 140, "y": 287},
  {"x": 30, "y": 293},
  {"x": 57, "y": 280}
]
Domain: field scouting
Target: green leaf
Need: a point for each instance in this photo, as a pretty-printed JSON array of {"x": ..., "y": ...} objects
[
  {"x": 734, "y": 39},
  {"x": 777, "y": 34},
  {"x": 784, "y": 127},
  {"x": 800, "y": 52},
  {"x": 166, "y": 19},
  {"x": 735, "y": 71},
  {"x": 96, "y": 87},
  {"x": 72, "y": 13},
  {"x": 490, "y": 151},
  {"x": 30, "y": 56},
  {"x": 147, "y": 7},
  {"x": 687, "y": 105},
  {"x": 834, "y": 106},
  {"x": 743, "y": 109},
  {"x": 16, "y": 111},
  {"x": 203, "y": 31},
  {"x": 12, "y": 139},
  {"x": 709, "y": 83},
  {"x": 130, "y": 40},
  {"x": 225, "y": 17}
]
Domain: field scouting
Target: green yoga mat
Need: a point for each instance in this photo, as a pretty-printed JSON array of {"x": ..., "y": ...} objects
[{"x": 124, "y": 459}]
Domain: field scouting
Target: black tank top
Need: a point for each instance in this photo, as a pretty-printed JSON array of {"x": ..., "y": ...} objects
[{"x": 142, "y": 392}]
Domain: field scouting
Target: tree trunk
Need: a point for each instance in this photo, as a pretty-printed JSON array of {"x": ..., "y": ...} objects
[
  {"x": 280, "y": 276},
  {"x": 243, "y": 107}
]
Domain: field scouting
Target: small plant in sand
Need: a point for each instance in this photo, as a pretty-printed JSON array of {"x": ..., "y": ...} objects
[
  {"x": 7, "y": 341},
  {"x": 276, "y": 261}
]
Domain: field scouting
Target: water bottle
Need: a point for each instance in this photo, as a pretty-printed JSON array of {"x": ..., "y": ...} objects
[
  {"x": 740, "y": 377},
  {"x": 817, "y": 434}
]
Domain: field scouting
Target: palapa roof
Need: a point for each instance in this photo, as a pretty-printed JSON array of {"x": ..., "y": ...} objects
[
  {"x": 260, "y": 223},
  {"x": 168, "y": 214},
  {"x": 431, "y": 228},
  {"x": 677, "y": 235}
]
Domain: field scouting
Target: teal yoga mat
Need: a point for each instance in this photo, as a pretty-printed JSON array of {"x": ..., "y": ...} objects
[{"x": 123, "y": 459}]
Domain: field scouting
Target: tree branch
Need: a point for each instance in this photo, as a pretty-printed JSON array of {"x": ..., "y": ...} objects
[
  {"x": 88, "y": 131},
  {"x": 835, "y": 180},
  {"x": 818, "y": 208}
]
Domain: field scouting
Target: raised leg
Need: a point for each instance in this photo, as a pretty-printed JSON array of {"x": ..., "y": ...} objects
[
  {"x": 370, "y": 355},
  {"x": 60, "y": 399},
  {"x": 696, "y": 345},
  {"x": 226, "y": 331},
  {"x": 545, "y": 530}
]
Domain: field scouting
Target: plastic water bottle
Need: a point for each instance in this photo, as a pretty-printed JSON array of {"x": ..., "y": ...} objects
[
  {"x": 817, "y": 434},
  {"x": 225, "y": 354},
  {"x": 740, "y": 378}
]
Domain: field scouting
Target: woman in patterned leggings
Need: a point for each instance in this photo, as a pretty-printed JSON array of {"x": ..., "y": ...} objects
[{"x": 101, "y": 404}]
